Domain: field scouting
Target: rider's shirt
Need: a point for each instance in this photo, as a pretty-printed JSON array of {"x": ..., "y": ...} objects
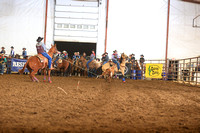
[
  {"x": 115, "y": 57},
  {"x": 40, "y": 48}
]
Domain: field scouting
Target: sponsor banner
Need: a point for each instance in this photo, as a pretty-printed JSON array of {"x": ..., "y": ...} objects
[
  {"x": 17, "y": 64},
  {"x": 154, "y": 70}
]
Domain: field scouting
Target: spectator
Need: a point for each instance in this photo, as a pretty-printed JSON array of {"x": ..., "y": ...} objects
[
  {"x": 142, "y": 60},
  {"x": 3, "y": 50},
  {"x": 24, "y": 53},
  {"x": 2, "y": 63},
  {"x": 12, "y": 52}
]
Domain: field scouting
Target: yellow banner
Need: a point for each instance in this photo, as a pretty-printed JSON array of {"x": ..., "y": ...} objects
[{"x": 153, "y": 70}]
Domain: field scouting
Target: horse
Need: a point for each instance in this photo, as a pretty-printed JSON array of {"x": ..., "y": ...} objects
[
  {"x": 123, "y": 61},
  {"x": 65, "y": 64},
  {"x": 34, "y": 63},
  {"x": 93, "y": 66}
]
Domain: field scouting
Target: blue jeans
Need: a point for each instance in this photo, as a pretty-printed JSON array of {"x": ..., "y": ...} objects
[
  {"x": 49, "y": 59},
  {"x": 88, "y": 63},
  {"x": 2, "y": 68},
  {"x": 116, "y": 62},
  {"x": 104, "y": 62},
  {"x": 56, "y": 61}
]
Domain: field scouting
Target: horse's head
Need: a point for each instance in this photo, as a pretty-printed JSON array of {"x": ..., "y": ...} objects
[
  {"x": 124, "y": 56},
  {"x": 53, "y": 49}
]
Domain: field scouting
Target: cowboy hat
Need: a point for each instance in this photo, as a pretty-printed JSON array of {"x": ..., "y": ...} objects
[
  {"x": 132, "y": 54},
  {"x": 2, "y": 47},
  {"x": 106, "y": 53},
  {"x": 142, "y": 55},
  {"x": 64, "y": 51},
  {"x": 115, "y": 51},
  {"x": 23, "y": 48},
  {"x": 39, "y": 39},
  {"x": 11, "y": 47}
]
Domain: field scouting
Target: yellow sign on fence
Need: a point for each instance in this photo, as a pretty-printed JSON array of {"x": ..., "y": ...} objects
[{"x": 154, "y": 70}]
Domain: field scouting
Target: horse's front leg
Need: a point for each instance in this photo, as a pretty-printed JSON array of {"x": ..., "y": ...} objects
[
  {"x": 44, "y": 71},
  {"x": 49, "y": 74}
]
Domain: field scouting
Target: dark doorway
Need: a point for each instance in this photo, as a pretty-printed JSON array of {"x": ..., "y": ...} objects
[{"x": 72, "y": 47}]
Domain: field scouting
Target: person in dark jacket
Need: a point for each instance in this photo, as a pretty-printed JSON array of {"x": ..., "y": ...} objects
[
  {"x": 12, "y": 52},
  {"x": 41, "y": 49},
  {"x": 142, "y": 60},
  {"x": 24, "y": 53},
  {"x": 3, "y": 50},
  {"x": 105, "y": 58},
  {"x": 2, "y": 63}
]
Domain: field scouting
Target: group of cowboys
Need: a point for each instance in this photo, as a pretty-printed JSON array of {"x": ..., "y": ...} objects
[{"x": 41, "y": 49}]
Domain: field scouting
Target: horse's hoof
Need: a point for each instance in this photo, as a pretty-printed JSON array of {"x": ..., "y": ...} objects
[{"x": 50, "y": 81}]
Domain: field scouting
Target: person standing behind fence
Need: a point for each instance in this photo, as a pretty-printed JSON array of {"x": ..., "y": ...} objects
[
  {"x": 92, "y": 57},
  {"x": 12, "y": 52},
  {"x": 24, "y": 53},
  {"x": 142, "y": 60},
  {"x": 2, "y": 63},
  {"x": 3, "y": 50}
]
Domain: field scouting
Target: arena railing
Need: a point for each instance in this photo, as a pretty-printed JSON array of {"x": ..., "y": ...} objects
[{"x": 185, "y": 71}]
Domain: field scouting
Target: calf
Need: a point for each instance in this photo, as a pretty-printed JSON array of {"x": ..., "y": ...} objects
[{"x": 108, "y": 74}]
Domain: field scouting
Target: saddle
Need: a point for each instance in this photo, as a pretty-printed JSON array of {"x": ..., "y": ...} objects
[{"x": 43, "y": 60}]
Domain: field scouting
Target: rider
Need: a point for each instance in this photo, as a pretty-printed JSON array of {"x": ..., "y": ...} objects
[
  {"x": 92, "y": 57},
  {"x": 115, "y": 57},
  {"x": 41, "y": 49},
  {"x": 105, "y": 58},
  {"x": 77, "y": 55},
  {"x": 57, "y": 58},
  {"x": 64, "y": 55},
  {"x": 84, "y": 55}
]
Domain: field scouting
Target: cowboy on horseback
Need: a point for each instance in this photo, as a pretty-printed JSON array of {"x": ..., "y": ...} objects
[
  {"x": 105, "y": 58},
  {"x": 115, "y": 58},
  {"x": 64, "y": 55},
  {"x": 41, "y": 49},
  {"x": 58, "y": 56},
  {"x": 92, "y": 57}
]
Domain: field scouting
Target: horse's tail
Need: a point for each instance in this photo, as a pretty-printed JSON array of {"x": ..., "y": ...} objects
[{"x": 21, "y": 71}]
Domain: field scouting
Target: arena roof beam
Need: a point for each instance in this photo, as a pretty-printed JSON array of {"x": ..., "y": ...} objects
[{"x": 192, "y": 1}]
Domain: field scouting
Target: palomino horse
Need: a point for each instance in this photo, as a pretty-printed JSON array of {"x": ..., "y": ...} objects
[
  {"x": 34, "y": 63},
  {"x": 107, "y": 69}
]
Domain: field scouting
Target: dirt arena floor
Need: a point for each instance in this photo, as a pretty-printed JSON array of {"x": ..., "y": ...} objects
[{"x": 97, "y": 106}]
